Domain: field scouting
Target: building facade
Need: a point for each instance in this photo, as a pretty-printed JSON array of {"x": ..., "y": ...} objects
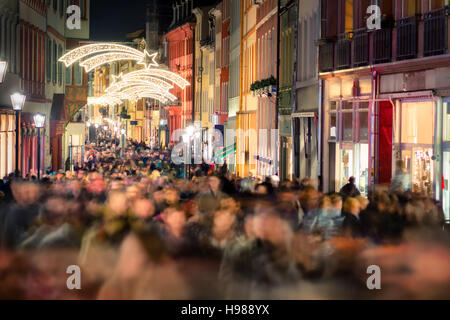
[
  {"x": 230, "y": 125},
  {"x": 386, "y": 94},
  {"x": 306, "y": 96},
  {"x": 179, "y": 53},
  {"x": 288, "y": 16},
  {"x": 246, "y": 117},
  {"x": 9, "y": 52}
]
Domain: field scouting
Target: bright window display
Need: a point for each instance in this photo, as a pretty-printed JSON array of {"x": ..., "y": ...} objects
[
  {"x": 446, "y": 187},
  {"x": 446, "y": 121},
  {"x": 7, "y": 144},
  {"x": 417, "y": 138}
]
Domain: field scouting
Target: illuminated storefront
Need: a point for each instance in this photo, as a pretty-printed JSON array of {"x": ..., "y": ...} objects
[
  {"x": 7, "y": 143},
  {"x": 346, "y": 133},
  {"x": 414, "y": 139},
  {"x": 348, "y": 129},
  {"x": 445, "y": 180}
]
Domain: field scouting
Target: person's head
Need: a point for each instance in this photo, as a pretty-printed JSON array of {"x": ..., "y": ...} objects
[
  {"x": 261, "y": 189},
  {"x": 309, "y": 198},
  {"x": 214, "y": 183},
  {"x": 25, "y": 193},
  {"x": 117, "y": 203},
  {"x": 223, "y": 222},
  {"x": 336, "y": 201},
  {"x": 143, "y": 208},
  {"x": 175, "y": 219},
  {"x": 325, "y": 203},
  {"x": 352, "y": 205},
  {"x": 171, "y": 196},
  {"x": 351, "y": 180},
  {"x": 363, "y": 202}
]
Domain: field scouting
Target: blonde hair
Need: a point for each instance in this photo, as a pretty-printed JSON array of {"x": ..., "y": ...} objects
[
  {"x": 350, "y": 204},
  {"x": 363, "y": 202}
]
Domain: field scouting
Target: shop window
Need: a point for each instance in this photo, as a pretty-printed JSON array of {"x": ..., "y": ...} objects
[
  {"x": 347, "y": 126},
  {"x": 363, "y": 125},
  {"x": 446, "y": 121},
  {"x": 333, "y": 125},
  {"x": 333, "y": 105},
  {"x": 347, "y": 105},
  {"x": 417, "y": 123}
]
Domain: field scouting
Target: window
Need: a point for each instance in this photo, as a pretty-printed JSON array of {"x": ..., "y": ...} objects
[
  {"x": 78, "y": 75},
  {"x": 347, "y": 126},
  {"x": 347, "y": 105},
  {"x": 82, "y": 8},
  {"x": 59, "y": 66},
  {"x": 333, "y": 105},
  {"x": 333, "y": 124},
  {"x": 48, "y": 59},
  {"x": 54, "y": 62},
  {"x": 69, "y": 75},
  {"x": 446, "y": 121},
  {"x": 417, "y": 125},
  {"x": 348, "y": 25},
  {"x": 409, "y": 8},
  {"x": 363, "y": 125},
  {"x": 61, "y": 7}
]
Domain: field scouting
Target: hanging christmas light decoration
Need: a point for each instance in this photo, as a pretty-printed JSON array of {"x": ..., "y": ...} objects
[
  {"x": 149, "y": 82},
  {"x": 96, "y": 61},
  {"x": 160, "y": 85},
  {"x": 138, "y": 89},
  {"x": 159, "y": 73},
  {"x": 104, "y": 100}
]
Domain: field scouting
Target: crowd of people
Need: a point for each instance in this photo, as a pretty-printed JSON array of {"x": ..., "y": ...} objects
[{"x": 141, "y": 227}]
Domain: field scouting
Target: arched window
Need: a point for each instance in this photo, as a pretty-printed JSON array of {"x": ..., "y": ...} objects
[
  {"x": 48, "y": 59},
  {"x": 82, "y": 5},
  {"x": 60, "y": 76},
  {"x": 78, "y": 75},
  {"x": 61, "y": 7},
  {"x": 54, "y": 62}
]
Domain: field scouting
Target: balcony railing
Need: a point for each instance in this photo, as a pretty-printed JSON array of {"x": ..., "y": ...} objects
[
  {"x": 382, "y": 45},
  {"x": 435, "y": 31},
  {"x": 326, "y": 55},
  {"x": 360, "y": 48},
  {"x": 344, "y": 44},
  {"x": 407, "y": 38}
]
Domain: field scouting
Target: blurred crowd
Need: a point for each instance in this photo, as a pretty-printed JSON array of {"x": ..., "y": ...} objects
[{"x": 141, "y": 227}]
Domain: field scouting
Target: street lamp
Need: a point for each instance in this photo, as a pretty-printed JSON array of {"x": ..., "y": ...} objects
[
  {"x": 39, "y": 121},
  {"x": 3, "y": 69},
  {"x": 18, "y": 101}
]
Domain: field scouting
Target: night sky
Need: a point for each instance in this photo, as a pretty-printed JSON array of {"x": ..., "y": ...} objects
[{"x": 111, "y": 20}]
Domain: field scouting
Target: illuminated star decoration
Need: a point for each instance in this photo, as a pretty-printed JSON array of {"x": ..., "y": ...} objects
[{"x": 149, "y": 60}]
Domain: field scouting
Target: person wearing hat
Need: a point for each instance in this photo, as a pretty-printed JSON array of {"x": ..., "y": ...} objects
[{"x": 350, "y": 189}]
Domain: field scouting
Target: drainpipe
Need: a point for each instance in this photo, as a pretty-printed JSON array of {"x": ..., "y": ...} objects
[
  {"x": 277, "y": 100},
  {"x": 371, "y": 132},
  {"x": 294, "y": 91},
  {"x": 193, "y": 74}
]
